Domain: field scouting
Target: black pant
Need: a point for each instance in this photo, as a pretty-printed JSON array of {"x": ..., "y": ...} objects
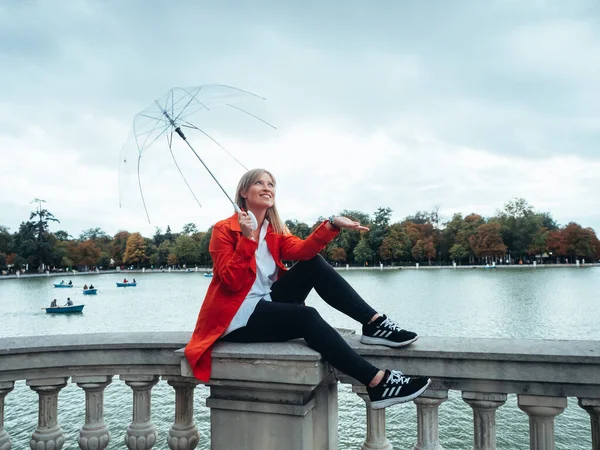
[{"x": 286, "y": 317}]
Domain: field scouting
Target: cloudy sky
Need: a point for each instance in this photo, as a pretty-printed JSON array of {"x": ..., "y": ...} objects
[{"x": 405, "y": 104}]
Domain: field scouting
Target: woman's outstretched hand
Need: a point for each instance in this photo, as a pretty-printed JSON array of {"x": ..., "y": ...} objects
[{"x": 344, "y": 222}]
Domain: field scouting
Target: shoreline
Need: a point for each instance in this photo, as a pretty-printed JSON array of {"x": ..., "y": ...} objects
[{"x": 384, "y": 268}]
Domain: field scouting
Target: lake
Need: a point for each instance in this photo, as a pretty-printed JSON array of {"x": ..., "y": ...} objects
[{"x": 520, "y": 303}]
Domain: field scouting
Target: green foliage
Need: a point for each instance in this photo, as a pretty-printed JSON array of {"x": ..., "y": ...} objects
[
  {"x": 6, "y": 240},
  {"x": 519, "y": 223},
  {"x": 186, "y": 249},
  {"x": 93, "y": 234},
  {"x": 189, "y": 228},
  {"x": 362, "y": 251},
  {"x": 299, "y": 229},
  {"x": 418, "y": 237},
  {"x": 458, "y": 252}
]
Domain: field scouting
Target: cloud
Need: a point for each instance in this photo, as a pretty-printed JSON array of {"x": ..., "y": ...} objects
[{"x": 392, "y": 104}]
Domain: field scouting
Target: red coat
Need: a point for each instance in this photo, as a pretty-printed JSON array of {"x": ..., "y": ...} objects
[{"x": 234, "y": 273}]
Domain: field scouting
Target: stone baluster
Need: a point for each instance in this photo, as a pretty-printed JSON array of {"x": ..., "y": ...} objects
[
  {"x": 376, "y": 438},
  {"x": 427, "y": 419},
  {"x": 48, "y": 435},
  {"x": 484, "y": 417},
  {"x": 592, "y": 406},
  {"x": 94, "y": 434},
  {"x": 5, "y": 388},
  {"x": 541, "y": 411},
  {"x": 183, "y": 435},
  {"x": 141, "y": 433}
]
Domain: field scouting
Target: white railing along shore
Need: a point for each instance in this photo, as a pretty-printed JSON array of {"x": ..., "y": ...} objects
[{"x": 284, "y": 396}]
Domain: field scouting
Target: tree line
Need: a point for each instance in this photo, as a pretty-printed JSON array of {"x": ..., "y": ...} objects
[{"x": 516, "y": 233}]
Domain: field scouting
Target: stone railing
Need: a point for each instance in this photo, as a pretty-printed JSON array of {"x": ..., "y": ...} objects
[{"x": 284, "y": 395}]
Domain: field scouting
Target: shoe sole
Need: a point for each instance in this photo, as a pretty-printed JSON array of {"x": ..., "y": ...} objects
[
  {"x": 379, "y": 341},
  {"x": 394, "y": 401}
]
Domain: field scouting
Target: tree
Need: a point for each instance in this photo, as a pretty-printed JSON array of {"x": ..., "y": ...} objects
[
  {"x": 349, "y": 239},
  {"x": 488, "y": 241},
  {"x": 162, "y": 253},
  {"x": 396, "y": 245},
  {"x": 186, "y": 249},
  {"x": 337, "y": 254},
  {"x": 362, "y": 251},
  {"x": 420, "y": 217},
  {"x": 189, "y": 228},
  {"x": 85, "y": 253},
  {"x": 299, "y": 229},
  {"x": 379, "y": 228},
  {"x": 62, "y": 235},
  {"x": 459, "y": 252},
  {"x": 6, "y": 240},
  {"x": 43, "y": 217},
  {"x": 423, "y": 249},
  {"x": 93, "y": 234},
  {"x": 158, "y": 237},
  {"x": 539, "y": 242},
  {"x": 204, "y": 244},
  {"x": 118, "y": 246},
  {"x": 25, "y": 242},
  {"x": 135, "y": 251},
  {"x": 580, "y": 242},
  {"x": 168, "y": 236},
  {"x": 43, "y": 249},
  {"x": 518, "y": 224}
]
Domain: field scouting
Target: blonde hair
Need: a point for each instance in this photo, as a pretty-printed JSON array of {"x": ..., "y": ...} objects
[{"x": 247, "y": 180}]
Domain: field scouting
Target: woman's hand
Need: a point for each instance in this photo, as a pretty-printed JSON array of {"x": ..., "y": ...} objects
[
  {"x": 344, "y": 222},
  {"x": 245, "y": 224}
]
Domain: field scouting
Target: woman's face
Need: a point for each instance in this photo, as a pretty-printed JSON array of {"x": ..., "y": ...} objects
[{"x": 261, "y": 194}]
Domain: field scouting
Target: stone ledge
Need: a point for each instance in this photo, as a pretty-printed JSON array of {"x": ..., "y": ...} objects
[
  {"x": 529, "y": 350},
  {"x": 543, "y": 367},
  {"x": 91, "y": 341}
]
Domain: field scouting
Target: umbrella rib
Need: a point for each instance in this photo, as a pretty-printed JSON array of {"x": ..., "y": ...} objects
[
  {"x": 190, "y": 125},
  {"x": 143, "y": 133},
  {"x": 188, "y": 103},
  {"x": 182, "y": 98},
  {"x": 252, "y": 115},
  {"x": 193, "y": 110},
  {"x": 179, "y": 169},
  {"x": 156, "y": 126},
  {"x": 150, "y": 117},
  {"x": 156, "y": 138},
  {"x": 140, "y": 186}
]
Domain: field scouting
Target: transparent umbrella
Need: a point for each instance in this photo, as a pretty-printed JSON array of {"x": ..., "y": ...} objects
[{"x": 169, "y": 118}]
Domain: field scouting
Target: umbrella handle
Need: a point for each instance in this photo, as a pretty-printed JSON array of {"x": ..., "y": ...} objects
[{"x": 250, "y": 214}]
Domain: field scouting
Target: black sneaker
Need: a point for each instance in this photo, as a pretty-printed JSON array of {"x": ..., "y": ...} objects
[
  {"x": 396, "y": 388},
  {"x": 384, "y": 331}
]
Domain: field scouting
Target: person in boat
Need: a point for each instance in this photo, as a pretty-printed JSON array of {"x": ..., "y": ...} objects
[
  {"x": 91, "y": 286},
  {"x": 53, "y": 304},
  {"x": 70, "y": 283},
  {"x": 69, "y": 302},
  {"x": 133, "y": 281},
  {"x": 62, "y": 282},
  {"x": 254, "y": 298},
  {"x": 124, "y": 280},
  {"x": 85, "y": 287}
]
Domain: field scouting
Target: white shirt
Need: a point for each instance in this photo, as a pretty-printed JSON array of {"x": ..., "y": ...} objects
[{"x": 266, "y": 275}]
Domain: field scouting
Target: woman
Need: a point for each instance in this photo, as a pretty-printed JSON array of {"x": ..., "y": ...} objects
[{"x": 254, "y": 298}]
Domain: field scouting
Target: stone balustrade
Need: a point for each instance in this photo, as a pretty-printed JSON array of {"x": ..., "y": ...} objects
[{"x": 284, "y": 396}]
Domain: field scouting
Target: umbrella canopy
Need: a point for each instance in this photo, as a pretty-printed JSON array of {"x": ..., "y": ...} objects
[{"x": 171, "y": 118}]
